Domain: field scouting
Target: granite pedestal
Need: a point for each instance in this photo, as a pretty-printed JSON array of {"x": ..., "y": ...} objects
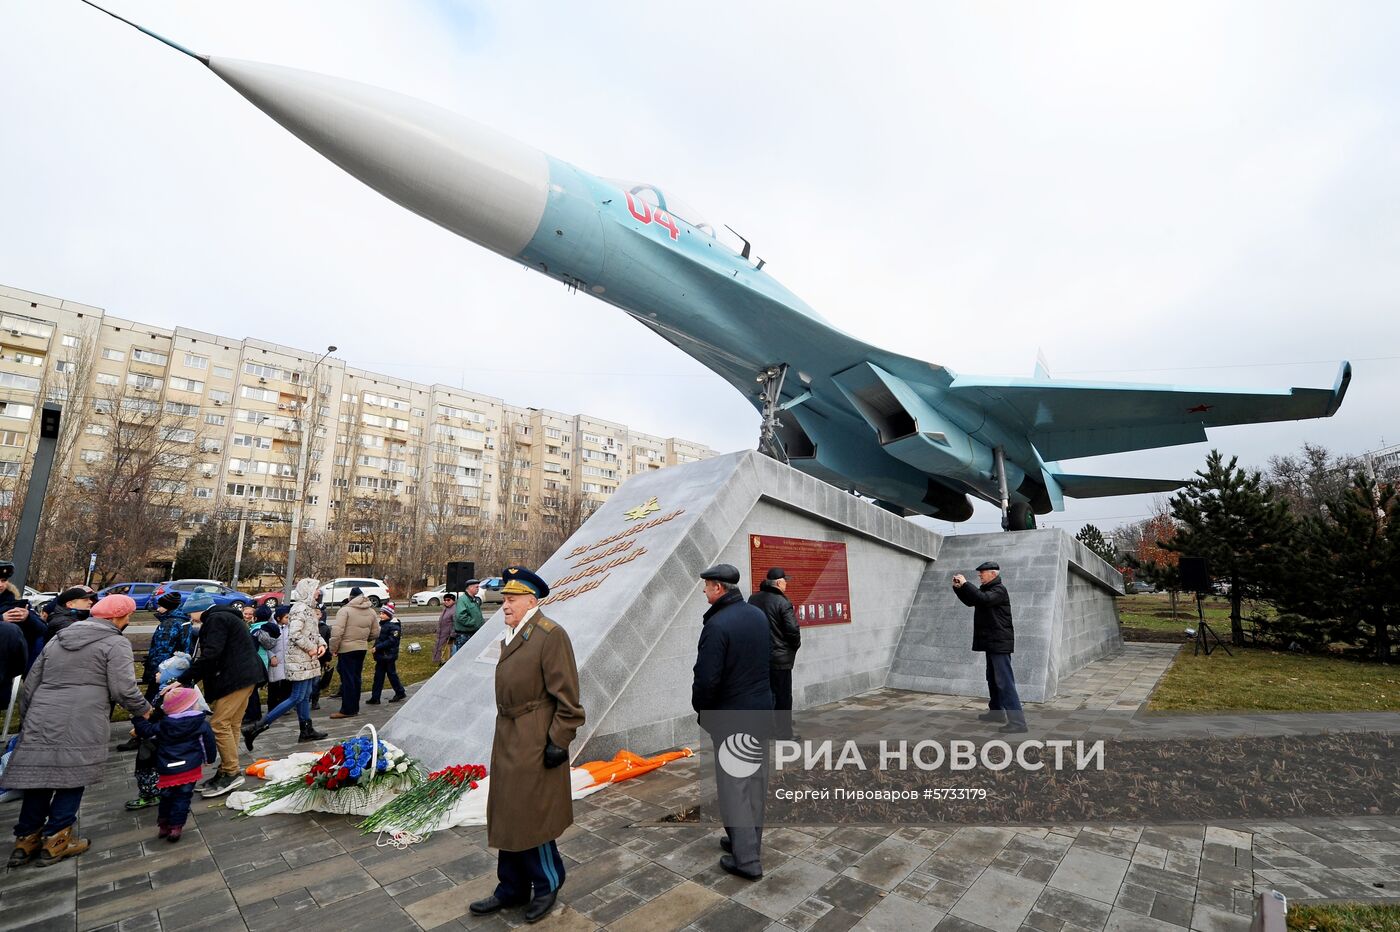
[
  {"x": 1061, "y": 605},
  {"x": 626, "y": 587}
]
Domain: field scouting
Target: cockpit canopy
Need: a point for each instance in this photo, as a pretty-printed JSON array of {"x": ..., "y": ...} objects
[{"x": 657, "y": 198}]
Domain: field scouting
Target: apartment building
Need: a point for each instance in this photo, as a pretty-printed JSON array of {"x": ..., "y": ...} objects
[
  {"x": 1382, "y": 464},
  {"x": 236, "y": 414}
]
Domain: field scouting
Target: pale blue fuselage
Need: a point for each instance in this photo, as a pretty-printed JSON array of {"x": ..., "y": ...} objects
[
  {"x": 701, "y": 295},
  {"x": 906, "y": 432}
]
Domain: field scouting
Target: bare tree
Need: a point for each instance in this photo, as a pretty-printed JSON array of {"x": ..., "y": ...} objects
[
  {"x": 510, "y": 528},
  {"x": 561, "y": 512},
  {"x": 375, "y": 534},
  {"x": 320, "y": 555},
  {"x": 341, "y": 519},
  {"x": 126, "y": 502},
  {"x": 1310, "y": 479},
  {"x": 69, "y": 383}
]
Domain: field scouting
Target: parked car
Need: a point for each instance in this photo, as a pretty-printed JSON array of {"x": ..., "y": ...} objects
[
  {"x": 270, "y": 599},
  {"x": 429, "y": 597},
  {"x": 1141, "y": 587},
  {"x": 142, "y": 593},
  {"x": 221, "y": 594},
  {"x": 35, "y": 598},
  {"x": 490, "y": 591},
  {"x": 337, "y": 591}
]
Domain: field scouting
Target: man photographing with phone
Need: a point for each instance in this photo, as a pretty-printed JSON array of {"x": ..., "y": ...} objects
[{"x": 993, "y": 634}]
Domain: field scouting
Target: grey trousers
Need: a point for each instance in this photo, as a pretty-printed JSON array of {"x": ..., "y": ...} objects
[{"x": 741, "y": 804}]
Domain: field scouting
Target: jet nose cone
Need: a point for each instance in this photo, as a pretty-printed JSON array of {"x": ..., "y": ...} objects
[{"x": 453, "y": 171}]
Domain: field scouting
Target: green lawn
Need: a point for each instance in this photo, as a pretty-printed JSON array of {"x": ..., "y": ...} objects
[
  {"x": 413, "y": 668},
  {"x": 1344, "y": 917},
  {"x": 1256, "y": 679},
  {"x": 1154, "y": 613}
]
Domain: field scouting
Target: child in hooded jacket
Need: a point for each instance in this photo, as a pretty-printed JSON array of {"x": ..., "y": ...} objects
[{"x": 184, "y": 744}]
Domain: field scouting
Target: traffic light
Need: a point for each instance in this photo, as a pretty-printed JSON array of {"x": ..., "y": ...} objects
[{"x": 48, "y": 422}]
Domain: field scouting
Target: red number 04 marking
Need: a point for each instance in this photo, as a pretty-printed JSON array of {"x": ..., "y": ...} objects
[{"x": 647, "y": 215}]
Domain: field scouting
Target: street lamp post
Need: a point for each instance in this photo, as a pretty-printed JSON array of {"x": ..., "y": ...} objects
[{"x": 302, "y": 455}]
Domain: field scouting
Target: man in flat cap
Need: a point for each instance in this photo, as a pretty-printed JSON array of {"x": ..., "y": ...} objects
[
  {"x": 993, "y": 634},
  {"x": 785, "y": 638},
  {"x": 537, "y": 714},
  {"x": 731, "y": 675},
  {"x": 467, "y": 619}
]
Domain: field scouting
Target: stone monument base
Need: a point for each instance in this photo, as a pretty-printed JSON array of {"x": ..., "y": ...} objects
[
  {"x": 1061, "y": 605},
  {"x": 626, "y": 587}
]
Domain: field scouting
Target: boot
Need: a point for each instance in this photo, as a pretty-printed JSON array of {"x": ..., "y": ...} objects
[
  {"x": 251, "y": 732},
  {"x": 309, "y": 732},
  {"x": 62, "y": 845},
  {"x": 26, "y": 847},
  {"x": 174, "y": 834},
  {"x": 162, "y": 829}
]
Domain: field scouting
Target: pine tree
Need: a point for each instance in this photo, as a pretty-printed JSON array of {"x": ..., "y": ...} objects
[
  {"x": 1385, "y": 635},
  {"x": 1091, "y": 537},
  {"x": 1239, "y": 525},
  {"x": 206, "y": 555},
  {"x": 1351, "y": 569}
]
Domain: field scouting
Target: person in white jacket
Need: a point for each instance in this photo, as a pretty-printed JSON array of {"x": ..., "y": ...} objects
[{"x": 302, "y": 664}]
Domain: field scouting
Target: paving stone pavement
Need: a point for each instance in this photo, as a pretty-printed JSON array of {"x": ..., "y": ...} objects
[{"x": 628, "y": 871}]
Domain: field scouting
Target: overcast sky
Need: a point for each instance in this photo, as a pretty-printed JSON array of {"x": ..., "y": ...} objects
[{"x": 1200, "y": 194}]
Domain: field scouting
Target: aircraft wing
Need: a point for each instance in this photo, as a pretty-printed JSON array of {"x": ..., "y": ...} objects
[
  {"x": 1066, "y": 419},
  {"x": 1105, "y": 486}
]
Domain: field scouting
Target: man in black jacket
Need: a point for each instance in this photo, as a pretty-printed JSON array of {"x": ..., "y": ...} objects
[
  {"x": 785, "y": 637},
  {"x": 992, "y": 633},
  {"x": 14, "y": 657},
  {"x": 227, "y": 661},
  {"x": 16, "y": 618},
  {"x": 731, "y": 674},
  {"x": 72, "y": 604}
]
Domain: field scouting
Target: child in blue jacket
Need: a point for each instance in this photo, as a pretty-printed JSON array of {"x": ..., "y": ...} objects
[
  {"x": 184, "y": 744},
  {"x": 386, "y": 657}
]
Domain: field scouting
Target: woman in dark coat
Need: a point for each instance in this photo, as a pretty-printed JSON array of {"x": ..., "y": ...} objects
[{"x": 64, "y": 732}]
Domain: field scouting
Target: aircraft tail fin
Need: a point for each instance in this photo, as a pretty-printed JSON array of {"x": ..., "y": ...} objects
[
  {"x": 1101, "y": 486},
  {"x": 1042, "y": 367}
]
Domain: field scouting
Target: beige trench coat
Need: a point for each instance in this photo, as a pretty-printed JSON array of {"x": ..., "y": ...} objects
[{"x": 536, "y": 699}]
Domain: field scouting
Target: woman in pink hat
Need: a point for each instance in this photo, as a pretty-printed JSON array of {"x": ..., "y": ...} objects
[{"x": 65, "y": 729}]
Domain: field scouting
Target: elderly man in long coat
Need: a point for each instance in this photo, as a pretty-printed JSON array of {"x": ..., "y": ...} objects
[{"x": 537, "y": 714}]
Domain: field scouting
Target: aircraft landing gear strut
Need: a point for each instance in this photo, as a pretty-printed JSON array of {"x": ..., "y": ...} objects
[
  {"x": 1014, "y": 517},
  {"x": 999, "y": 456},
  {"x": 771, "y": 380}
]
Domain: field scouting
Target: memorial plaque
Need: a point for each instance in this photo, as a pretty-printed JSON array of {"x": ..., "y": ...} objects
[{"x": 818, "y": 584}]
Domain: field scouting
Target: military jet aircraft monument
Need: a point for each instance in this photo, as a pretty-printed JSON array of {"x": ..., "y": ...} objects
[
  {"x": 912, "y": 435},
  {"x": 838, "y": 416}
]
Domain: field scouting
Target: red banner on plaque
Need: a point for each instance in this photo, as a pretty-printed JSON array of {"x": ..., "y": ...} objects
[{"x": 818, "y": 585}]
